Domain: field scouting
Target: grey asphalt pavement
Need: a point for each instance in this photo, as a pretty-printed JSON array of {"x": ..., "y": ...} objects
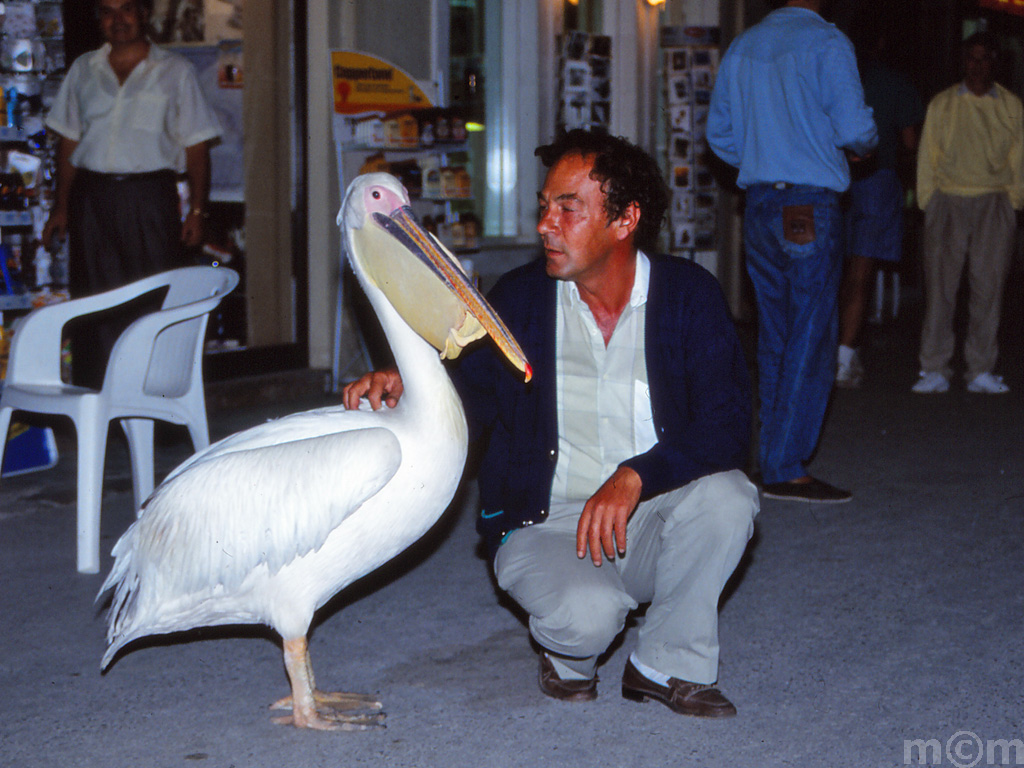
[{"x": 882, "y": 632}]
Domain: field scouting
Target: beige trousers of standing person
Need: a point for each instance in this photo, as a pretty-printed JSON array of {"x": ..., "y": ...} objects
[
  {"x": 981, "y": 231},
  {"x": 681, "y": 548}
]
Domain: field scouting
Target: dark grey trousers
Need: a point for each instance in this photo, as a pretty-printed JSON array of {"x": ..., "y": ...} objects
[{"x": 120, "y": 229}]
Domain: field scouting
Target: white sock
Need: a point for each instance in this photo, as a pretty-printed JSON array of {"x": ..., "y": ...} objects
[
  {"x": 845, "y": 354},
  {"x": 565, "y": 672},
  {"x": 651, "y": 674}
]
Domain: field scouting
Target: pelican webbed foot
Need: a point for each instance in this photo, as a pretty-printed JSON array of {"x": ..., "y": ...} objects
[
  {"x": 322, "y": 710},
  {"x": 334, "y": 711}
]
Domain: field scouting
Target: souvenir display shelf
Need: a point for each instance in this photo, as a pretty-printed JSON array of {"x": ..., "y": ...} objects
[
  {"x": 427, "y": 150},
  {"x": 32, "y": 63},
  {"x": 31, "y": 66}
]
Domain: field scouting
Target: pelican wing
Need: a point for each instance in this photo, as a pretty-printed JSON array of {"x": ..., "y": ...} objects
[
  {"x": 230, "y": 514},
  {"x": 291, "y": 428}
]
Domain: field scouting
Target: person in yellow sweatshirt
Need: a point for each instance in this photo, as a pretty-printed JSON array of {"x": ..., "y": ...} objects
[{"x": 970, "y": 182}]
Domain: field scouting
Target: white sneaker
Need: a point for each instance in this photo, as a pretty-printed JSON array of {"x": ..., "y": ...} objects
[
  {"x": 987, "y": 384},
  {"x": 932, "y": 383},
  {"x": 850, "y": 375}
]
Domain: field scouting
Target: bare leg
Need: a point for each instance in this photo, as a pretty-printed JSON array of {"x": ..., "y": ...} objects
[
  {"x": 315, "y": 709},
  {"x": 853, "y": 297}
]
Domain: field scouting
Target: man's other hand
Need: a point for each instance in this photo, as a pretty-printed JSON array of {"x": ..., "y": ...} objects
[
  {"x": 56, "y": 227},
  {"x": 192, "y": 230},
  {"x": 603, "y": 520},
  {"x": 853, "y": 157},
  {"x": 377, "y": 387}
]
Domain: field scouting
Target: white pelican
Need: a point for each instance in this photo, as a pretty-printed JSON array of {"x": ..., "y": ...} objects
[{"x": 268, "y": 524}]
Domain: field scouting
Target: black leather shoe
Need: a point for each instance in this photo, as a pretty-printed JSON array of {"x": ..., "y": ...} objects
[
  {"x": 815, "y": 492},
  {"x": 680, "y": 696},
  {"x": 564, "y": 690}
]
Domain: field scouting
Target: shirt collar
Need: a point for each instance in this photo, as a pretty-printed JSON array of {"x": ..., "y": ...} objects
[
  {"x": 791, "y": 10},
  {"x": 102, "y": 58},
  {"x": 641, "y": 280},
  {"x": 993, "y": 91},
  {"x": 641, "y": 284}
]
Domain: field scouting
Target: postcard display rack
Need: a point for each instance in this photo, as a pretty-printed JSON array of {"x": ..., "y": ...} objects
[
  {"x": 690, "y": 60},
  {"x": 584, "y": 81}
]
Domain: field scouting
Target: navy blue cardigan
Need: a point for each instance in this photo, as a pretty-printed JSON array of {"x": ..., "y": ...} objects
[{"x": 700, "y": 393}]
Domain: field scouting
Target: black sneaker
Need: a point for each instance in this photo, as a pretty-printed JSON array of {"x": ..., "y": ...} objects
[{"x": 813, "y": 492}]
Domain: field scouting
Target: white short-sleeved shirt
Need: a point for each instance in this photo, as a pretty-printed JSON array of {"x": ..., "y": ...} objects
[
  {"x": 143, "y": 125},
  {"x": 604, "y": 402}
]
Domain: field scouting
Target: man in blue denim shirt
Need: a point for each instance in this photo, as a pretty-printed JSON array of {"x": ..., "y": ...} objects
[{"x": 787, "y": 110}]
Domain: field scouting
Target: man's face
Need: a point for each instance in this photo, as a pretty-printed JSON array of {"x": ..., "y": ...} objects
[
  {"x": 573, "y": 225},
  {"x": 121, "y": 21},
  {"x": 978, "y": 66}
]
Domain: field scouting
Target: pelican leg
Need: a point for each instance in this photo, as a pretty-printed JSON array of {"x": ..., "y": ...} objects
[{"x": 318, "y": 709}]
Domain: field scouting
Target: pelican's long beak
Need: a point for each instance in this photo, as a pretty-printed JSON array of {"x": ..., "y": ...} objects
[{"x": 443, "y": 307}]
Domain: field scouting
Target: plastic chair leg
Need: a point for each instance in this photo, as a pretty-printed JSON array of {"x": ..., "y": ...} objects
[
  {"x": 199, "y": 431},
  {"x": 140, "y": 448},
  {"x": 5, "y": 425},
  {"x": 92, "y": 448}
]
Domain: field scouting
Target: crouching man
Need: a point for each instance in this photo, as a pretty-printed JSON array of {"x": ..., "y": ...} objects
[{"x": 614, "y": 478}]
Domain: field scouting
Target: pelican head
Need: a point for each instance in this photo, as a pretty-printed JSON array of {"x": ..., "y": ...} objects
[{"x": 418, "y": 276}]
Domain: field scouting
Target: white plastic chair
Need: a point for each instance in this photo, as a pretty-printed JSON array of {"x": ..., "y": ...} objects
[{"x": 154, "y": 372}]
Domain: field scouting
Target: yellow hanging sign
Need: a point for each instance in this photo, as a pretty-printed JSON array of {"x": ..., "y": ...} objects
[
  {"x": 364, "y": 83},
  {"x": 1010, "y": 6}
]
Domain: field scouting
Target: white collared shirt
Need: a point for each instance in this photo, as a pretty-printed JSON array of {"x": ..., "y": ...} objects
[
  {"x": 140, "y": 126},
  {"x": 604, "y": 403}
]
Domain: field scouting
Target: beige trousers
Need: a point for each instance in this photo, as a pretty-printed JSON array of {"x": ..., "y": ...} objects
[
  {"x": 681, "y": 548},
  {"x": 981, "y": 231}
]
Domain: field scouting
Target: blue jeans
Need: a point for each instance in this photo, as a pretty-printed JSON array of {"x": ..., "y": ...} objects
[{"x": 794, "y": 259}]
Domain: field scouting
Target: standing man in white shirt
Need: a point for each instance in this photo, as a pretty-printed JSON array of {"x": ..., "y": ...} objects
[{"x": 130, "y": 117}]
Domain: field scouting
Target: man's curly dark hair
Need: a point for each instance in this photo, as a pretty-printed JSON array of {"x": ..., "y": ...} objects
[
  {"x": 627, "y": 174},
  {"x": 146, "y": 6}
]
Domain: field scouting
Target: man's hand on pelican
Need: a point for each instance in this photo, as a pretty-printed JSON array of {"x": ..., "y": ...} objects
[{"x": 378, "y": 387}]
